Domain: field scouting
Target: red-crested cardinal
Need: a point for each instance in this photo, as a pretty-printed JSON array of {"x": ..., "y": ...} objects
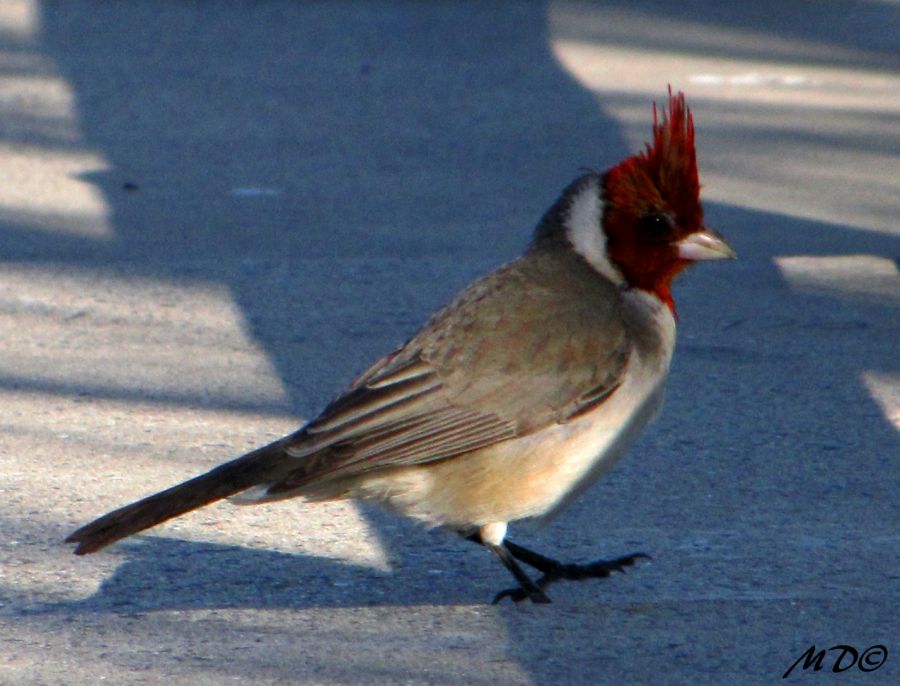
[{"x": 518, "y": 394}]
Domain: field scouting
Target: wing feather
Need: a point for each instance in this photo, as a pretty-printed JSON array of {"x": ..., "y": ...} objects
[{"x": 512, "y": 355}]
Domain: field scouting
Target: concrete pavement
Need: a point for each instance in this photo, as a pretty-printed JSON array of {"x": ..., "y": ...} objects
[{"x": 213, "y": 216}]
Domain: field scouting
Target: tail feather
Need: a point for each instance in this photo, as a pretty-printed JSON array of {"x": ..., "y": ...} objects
[{"x": 260, "y": 466}]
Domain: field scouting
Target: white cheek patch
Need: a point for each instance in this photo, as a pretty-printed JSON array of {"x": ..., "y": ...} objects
[{"x": 585, "y": 233}]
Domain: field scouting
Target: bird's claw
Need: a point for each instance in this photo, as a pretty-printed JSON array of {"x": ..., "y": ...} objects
[
  {"x": 518, "y": 594},
  {"x": 603, "y": 568},
  {"x": 573, "y": 572}
]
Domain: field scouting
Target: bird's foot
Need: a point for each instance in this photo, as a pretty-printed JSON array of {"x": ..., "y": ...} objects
[
  {"x": 519, "y": 593},
  {"x": 556, "y": 571}
]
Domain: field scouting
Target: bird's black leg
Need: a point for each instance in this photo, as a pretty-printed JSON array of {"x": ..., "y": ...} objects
[
  {"x": 554, "y": 571},
  {"x": 527, "y": 588}
]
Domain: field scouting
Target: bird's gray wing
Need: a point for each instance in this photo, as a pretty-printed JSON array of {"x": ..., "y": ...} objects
[{"x": 526, "y": 346}]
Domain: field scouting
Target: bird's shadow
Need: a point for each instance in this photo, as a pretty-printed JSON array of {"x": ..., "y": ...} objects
[{"x": 165, "y": 573}]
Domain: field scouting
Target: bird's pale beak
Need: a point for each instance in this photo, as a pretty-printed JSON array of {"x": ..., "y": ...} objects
[{"x": 705, "y": 244}]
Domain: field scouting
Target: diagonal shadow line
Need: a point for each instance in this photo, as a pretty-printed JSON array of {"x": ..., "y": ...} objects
[
  {"x": 86, "y": 390},
  {"x": 790, "y": 33}
]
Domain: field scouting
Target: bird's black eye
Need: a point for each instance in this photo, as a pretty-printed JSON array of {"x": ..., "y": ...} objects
[{"x": 657, "y": 224}]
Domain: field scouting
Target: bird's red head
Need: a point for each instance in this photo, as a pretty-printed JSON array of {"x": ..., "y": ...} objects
[{"x": 652, "y": 216}]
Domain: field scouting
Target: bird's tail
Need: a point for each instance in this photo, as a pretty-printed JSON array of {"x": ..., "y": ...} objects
[{"x": 259, "y": 466}]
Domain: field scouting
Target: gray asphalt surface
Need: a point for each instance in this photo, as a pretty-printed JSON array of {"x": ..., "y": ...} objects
[{"x": 213, "y": 216}]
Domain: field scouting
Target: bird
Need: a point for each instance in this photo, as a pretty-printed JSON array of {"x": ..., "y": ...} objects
[{"x": 517, "y": 395}]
